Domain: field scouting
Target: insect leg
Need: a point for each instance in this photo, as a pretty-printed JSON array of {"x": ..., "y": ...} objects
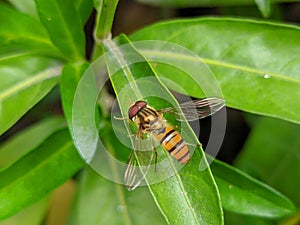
[
  {"x": 200, "y": 145},
  {"x": 156, "y": 155}
]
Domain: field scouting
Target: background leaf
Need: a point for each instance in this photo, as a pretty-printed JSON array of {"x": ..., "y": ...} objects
[
  {"x": 33, "y": 214},
  {"x": 38, "y": 173},
  {"x": 70, "y": 78},
  {"x": 188, "y": 206},
  {"x": 25, "y": 6},
  {"x": 264, "y": 7},
  {"x": 24, "y": 81},
  {"x": 251, "y": 60},
  {"x": 232, "y": 218},
  {"x": 271, "y": 154},
  {"x": 100, "y": 201},
  {"x": 195, "y": 3},
  {"x": 84, "y": 8},
  {"x": 22, "y": 143},
  {"x": 28, "y": 37},
  {"x": 243, "y": 194},
  {"x": 64, "y": 26}
]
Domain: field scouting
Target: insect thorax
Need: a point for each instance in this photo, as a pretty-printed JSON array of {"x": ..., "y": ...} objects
[{"x": 149, "y": 119}]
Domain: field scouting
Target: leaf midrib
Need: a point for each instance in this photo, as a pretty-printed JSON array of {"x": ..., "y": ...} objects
[
  {"x": 68, "y": 32},
  {"x": 186, "y": 197},
  {"x": 219, "y": 63},
  {"x": 44, "y": 75},
  {"x": 122, "y": 62}
]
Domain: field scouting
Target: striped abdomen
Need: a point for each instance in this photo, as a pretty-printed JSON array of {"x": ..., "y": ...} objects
[
  {"x": 172, "y": 141},
  {"x": 149, "y": 120}
]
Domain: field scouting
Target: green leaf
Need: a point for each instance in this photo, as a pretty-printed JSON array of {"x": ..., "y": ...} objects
[
  {"x": 256, "y": 63},
  {"x": 99, "y": 201},
  {"x": 33, "y": 214},
  {"x": 271, "y": 154},
  {"x": 84, "y": 8},
  {"x": 64, "y": 25},
  {"x": 70, "y": 78},
  {"x": 38, "y": 173},
  {"x": 97, "y": 4},
  {"x": 24, "y": 81},
  {"x": 192, "y": 194},
  {"x": 25, "y": 6},
  {"x": 264, "y": 7},
  {"x": 243, "y": 194},
  {"x": 23, "y": 142},
  {"x": 16, "y": 38},
  {"x": 239, "y": 219},
  {"x": 205, "y": 3}
]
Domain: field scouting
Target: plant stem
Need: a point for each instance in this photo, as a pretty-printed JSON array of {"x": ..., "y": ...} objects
[{"x": 105, "y": 16}]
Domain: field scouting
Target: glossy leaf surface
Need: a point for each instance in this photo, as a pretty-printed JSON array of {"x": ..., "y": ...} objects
[
  {"x": 64, "y": 26},
  {"x": 24, "y": 81},
  {"x": 243, "y": 194}
]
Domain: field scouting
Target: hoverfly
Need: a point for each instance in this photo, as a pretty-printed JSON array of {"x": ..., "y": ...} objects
[{"x": 152, "y": 121}]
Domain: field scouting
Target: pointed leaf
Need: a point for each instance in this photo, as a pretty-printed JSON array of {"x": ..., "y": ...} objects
[
  {"x": 243, "y": 194},
  {"x": 264, "y": 7},
  {"x": 181, "y": 191}
]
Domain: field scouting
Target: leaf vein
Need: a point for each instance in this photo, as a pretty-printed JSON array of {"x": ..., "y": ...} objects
[{"x": 44, "y": 75}]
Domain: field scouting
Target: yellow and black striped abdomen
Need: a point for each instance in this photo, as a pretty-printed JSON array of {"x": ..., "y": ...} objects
[{"x": 172, "y": 141}]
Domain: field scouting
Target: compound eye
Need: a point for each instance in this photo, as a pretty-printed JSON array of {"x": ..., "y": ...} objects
[
  {"x": 134, "y": 109},
  {"x": 140, "y": 104}
]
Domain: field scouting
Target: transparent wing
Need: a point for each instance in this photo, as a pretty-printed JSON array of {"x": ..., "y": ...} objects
[
  {"x": 196, "y": 109},
  {"x": 138, "y": 164}
]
